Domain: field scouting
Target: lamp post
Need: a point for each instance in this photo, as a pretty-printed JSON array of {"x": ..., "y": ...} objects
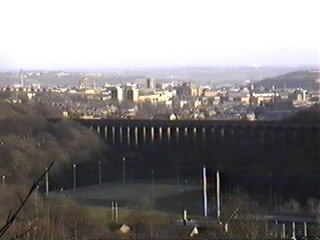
[
  {"x": 218, "y": 194},
  {"x": 3, "y": 180},
  {"x": 47, "y": 182},
  {"x": 100, "y": 172},
  {"x": 178, "y": 176},
  {"x": 124, "y": 170},
  {"x": 74, "y": 177},
  {"x": 204, "y": 185},
  {"x": 270, "y": 190},
  {"x": 153, "y": 184}
]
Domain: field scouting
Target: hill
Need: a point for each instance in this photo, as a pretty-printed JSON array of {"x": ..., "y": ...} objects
[{"x": 299, "y": 79}]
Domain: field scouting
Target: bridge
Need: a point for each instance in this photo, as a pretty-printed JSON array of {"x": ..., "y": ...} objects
[{"x": 135, "y": 133}]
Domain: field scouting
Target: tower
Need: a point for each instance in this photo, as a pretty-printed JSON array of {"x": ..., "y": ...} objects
[
  {"x": 251, "y": 91},
  {"x": 21, "y": 78},
  {"x": 150, "y": 83}
]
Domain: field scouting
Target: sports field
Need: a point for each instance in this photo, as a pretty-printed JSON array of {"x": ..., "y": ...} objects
[{"x": 161, "y": 196}]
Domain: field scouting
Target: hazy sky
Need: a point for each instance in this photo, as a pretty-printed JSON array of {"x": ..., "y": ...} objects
[{"x": 129, "y": 33}]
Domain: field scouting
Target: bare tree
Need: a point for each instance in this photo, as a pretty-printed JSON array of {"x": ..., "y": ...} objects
[
  {"x": 247, "y": 221},
  {"x": 13, "y": 214}
]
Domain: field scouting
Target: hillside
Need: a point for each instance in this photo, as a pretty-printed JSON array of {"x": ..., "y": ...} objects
[
  {"x": 299, "y": 79},
  {"x": 29, "y": 142}
]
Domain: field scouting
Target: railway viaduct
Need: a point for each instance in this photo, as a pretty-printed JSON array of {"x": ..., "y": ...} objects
[{"x": 139, "y": 133}]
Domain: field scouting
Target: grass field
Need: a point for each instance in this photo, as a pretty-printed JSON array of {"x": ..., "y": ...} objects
[
  {"x": 105, "y": 215},
  {"x": 165, "y": 198}
]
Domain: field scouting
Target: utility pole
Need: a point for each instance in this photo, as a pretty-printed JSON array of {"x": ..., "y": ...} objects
[
  {"x": 124, "y": 170},
  {"x": 270, "y": 190},
  {"x": 100, "y": 172},
  {"x": 153, "y": 184},
  {"x": 218, "y": 195},
  {"x": 112, "y": 210},
  {"x": 115, "y": 211},
  {"x": 37, "y": 201},
  {"x": 283, "y": 234},
  {"x": 47, "y": 182},
  {"x": 74, "y": 177},
  {"x": 185, "y": 215},
  {"x": 178, "y": 176},
  {"x": 3, "y": 180},
  {"x": 293, "y": 231},
  {"x": 205, "y": 200}
]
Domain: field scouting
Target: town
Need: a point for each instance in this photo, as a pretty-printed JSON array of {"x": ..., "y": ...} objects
[{"x": 90, "y": 97}]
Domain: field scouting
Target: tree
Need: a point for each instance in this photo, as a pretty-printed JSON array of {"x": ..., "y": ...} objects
[{"x": 248, "y": 222}]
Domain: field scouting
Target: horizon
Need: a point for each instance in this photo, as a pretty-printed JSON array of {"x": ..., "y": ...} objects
[{"x": 162, "y": 68}]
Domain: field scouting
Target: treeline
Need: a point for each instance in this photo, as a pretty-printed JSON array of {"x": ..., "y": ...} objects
[{"x": 29, "y": 142}]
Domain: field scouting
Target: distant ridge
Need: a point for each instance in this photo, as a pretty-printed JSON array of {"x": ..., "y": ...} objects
[{"x": 298, "y": 79}]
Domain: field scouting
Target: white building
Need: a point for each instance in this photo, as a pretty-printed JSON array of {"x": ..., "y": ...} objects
[
  {"x": 131, "y": 94},
  {"x": 117, "y": 93}
]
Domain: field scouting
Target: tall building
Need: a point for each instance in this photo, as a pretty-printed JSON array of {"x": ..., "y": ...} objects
[
  {"x": 21, "y": 78},
  {"x": 251, "y": 92},
  {"x": 117, "y": 94},
  {"x": 184, "y": 89},
  {"x": 151, "y": 83},
  {"x": 131, "y": 94}
]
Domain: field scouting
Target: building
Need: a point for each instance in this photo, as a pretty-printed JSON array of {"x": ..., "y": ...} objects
[
  {"x": 184, "y": 90},
  {"x": 87, "y": 83},
  {"x": 150, "y": 83},
  {"x": 117, "y": 94},
  {"x": 241, "y": 97},
  {"x": 131, "y": 94},
  {"x": 264, "y": 97},
  {"x": 156, "y": 97},
  {"x": 210, "y": 93},
  {"x": 299, "y": 95},
  {"x": 21, "y": 78}
]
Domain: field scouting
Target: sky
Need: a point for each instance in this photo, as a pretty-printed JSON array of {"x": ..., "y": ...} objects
[{"x": 97, "y": 34}]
